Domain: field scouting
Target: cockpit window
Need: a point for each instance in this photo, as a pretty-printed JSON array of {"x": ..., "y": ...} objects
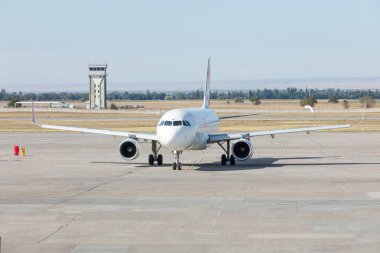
[
  {"x": 177, "y": 123},
  {"x": 174, "y": 123}
]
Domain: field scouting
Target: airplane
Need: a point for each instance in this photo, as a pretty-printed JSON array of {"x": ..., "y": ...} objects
[{"x": 185, "y": 129}]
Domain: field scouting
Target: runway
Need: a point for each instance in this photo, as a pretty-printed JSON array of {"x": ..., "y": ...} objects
[{"x": 301, "y": 193}]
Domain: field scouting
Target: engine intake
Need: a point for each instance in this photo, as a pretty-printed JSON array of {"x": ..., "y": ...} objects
[
  {"x": 129, "y": 149},
  {"x": 242, "y": 149}
]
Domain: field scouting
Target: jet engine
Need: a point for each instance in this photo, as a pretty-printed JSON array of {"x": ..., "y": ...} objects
[
  {"x": 242, "y": 149},
  {"x": 129, "y": 149}
]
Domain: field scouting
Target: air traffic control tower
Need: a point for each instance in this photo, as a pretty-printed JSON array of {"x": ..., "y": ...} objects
[{"x": 98, "y": 86}]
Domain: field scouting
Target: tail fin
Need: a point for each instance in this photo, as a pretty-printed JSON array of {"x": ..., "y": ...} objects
[{"x": 206, "y": 98}]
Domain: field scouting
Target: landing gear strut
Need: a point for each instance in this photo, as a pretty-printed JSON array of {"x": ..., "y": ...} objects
[
  {"x": 227, "y": 157},
  {"x": 177, "y": 164},
  {"x": 155, "y": 157}
]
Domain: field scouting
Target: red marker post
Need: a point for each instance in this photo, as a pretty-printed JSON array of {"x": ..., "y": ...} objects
[{"x": 16, "y": 150}]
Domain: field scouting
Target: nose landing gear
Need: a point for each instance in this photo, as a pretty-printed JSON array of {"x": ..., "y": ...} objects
[
  {"x": 155, "y": 157},
  {"x": 177, "y": 164}
]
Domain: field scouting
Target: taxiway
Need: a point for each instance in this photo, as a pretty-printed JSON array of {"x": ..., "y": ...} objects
[{"x": 302, "y": 193}]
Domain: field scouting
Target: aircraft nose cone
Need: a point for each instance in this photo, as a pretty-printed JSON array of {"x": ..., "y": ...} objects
[{"x": 176, "y": 140}]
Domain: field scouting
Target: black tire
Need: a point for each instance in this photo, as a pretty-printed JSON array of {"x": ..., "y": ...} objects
[
  {"x": 232, "y": 160},
  {"x": 180, "y": 166},
  {"x": 160, "y": 159},
  {"x": 224, "y": 159},
  {"x": 151, "y": 159},
  {"x": 174, "y": 166}
]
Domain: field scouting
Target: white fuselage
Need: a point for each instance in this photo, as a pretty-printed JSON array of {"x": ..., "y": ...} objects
[{"x": 182, "y": 129}]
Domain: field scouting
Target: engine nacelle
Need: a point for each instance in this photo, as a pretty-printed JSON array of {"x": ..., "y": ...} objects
[
  {"x": 242, "y": 149},
  {"x": 129, "y": 149}
]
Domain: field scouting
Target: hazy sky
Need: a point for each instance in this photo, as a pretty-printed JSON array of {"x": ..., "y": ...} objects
[{"x": 52, "y": 41}]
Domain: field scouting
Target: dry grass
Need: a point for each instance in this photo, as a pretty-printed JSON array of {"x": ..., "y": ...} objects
[
  {"x": 72, "y": 115},
  {"x": 266, "y": 104},
  {"x": 272, "y": 119},
  {"x": 150, "y": 126},
  {"x": 263, "y": 125}
]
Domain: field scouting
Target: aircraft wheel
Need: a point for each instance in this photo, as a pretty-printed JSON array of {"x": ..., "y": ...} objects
[
  {"x": 151, "y": 159},
  {"x": 224, "y": 159},
  {"x": 174, "y": 166},
  {"x": 180, "y": 166},
  {"x": 232, "y": 160},
  {"x": 159, "y": 159}
]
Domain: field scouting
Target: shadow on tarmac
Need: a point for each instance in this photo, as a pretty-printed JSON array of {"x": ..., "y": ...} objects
[
  {"x": 263, "y": 163},
  {"x": 251, "y": 164}
]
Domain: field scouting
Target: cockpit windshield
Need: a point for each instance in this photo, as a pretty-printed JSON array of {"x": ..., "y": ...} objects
[
  {"x": 168, "y": 123},
  {"x": 177, "y": 123},
  {"x": 174, "y": 123}
]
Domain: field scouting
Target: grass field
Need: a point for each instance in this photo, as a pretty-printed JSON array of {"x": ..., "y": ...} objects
[
  {"x": 272, "y": 114},
  {"x": 286, "y": 104},
  {"x": 266, "y": 104}
]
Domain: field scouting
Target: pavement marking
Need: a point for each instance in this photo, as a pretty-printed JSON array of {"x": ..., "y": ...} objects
[
  {"x": 302, "y": 236},
  {"x": 199, "y": 159},
  {"x": 207, "y": 233},
  {"x": 82, "y": 248},
  {"x": 279, "y": 140},
  {"x": 217, "y": 215},
  {"x": 73, "y": 212},
  {"x": 373, "y": 195},
  {"x": 56, "y": 231},
  {"x": 90, "y": 189}
]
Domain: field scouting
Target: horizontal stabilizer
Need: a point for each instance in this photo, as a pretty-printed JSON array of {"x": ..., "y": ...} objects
[{"x": 237, "y": 116}]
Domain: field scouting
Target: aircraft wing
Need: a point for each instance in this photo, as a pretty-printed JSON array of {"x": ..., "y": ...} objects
[
  {"x": 143, "y": 136},
  {"x": 213, "y": 138}
]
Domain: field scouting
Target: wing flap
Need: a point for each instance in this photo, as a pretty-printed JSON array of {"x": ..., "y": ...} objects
[{"x": 213, "y": 138}]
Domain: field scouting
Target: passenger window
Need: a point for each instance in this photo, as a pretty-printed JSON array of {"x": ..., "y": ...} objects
[
  {"x": 168, "y": 123},
  {"x": 177, "y": 123}
]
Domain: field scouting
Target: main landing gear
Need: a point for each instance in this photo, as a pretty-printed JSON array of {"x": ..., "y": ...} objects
[
  {"x": 155, "y": 157},
  {"x": 227, "y": 157},
  {"x": 177, "y": 164}
]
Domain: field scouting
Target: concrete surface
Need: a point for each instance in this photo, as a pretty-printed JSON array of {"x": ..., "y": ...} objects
[{"x": 304, "y": 193}]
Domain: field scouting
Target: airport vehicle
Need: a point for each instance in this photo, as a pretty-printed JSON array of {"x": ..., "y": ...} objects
[{"x": 189, "y": 129}]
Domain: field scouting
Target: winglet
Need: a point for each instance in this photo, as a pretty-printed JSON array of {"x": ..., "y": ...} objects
[
  {"x": 206, "y": 98},
  {"x": 309, "y": 108},
  {"x": 33, "y": 118}
]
